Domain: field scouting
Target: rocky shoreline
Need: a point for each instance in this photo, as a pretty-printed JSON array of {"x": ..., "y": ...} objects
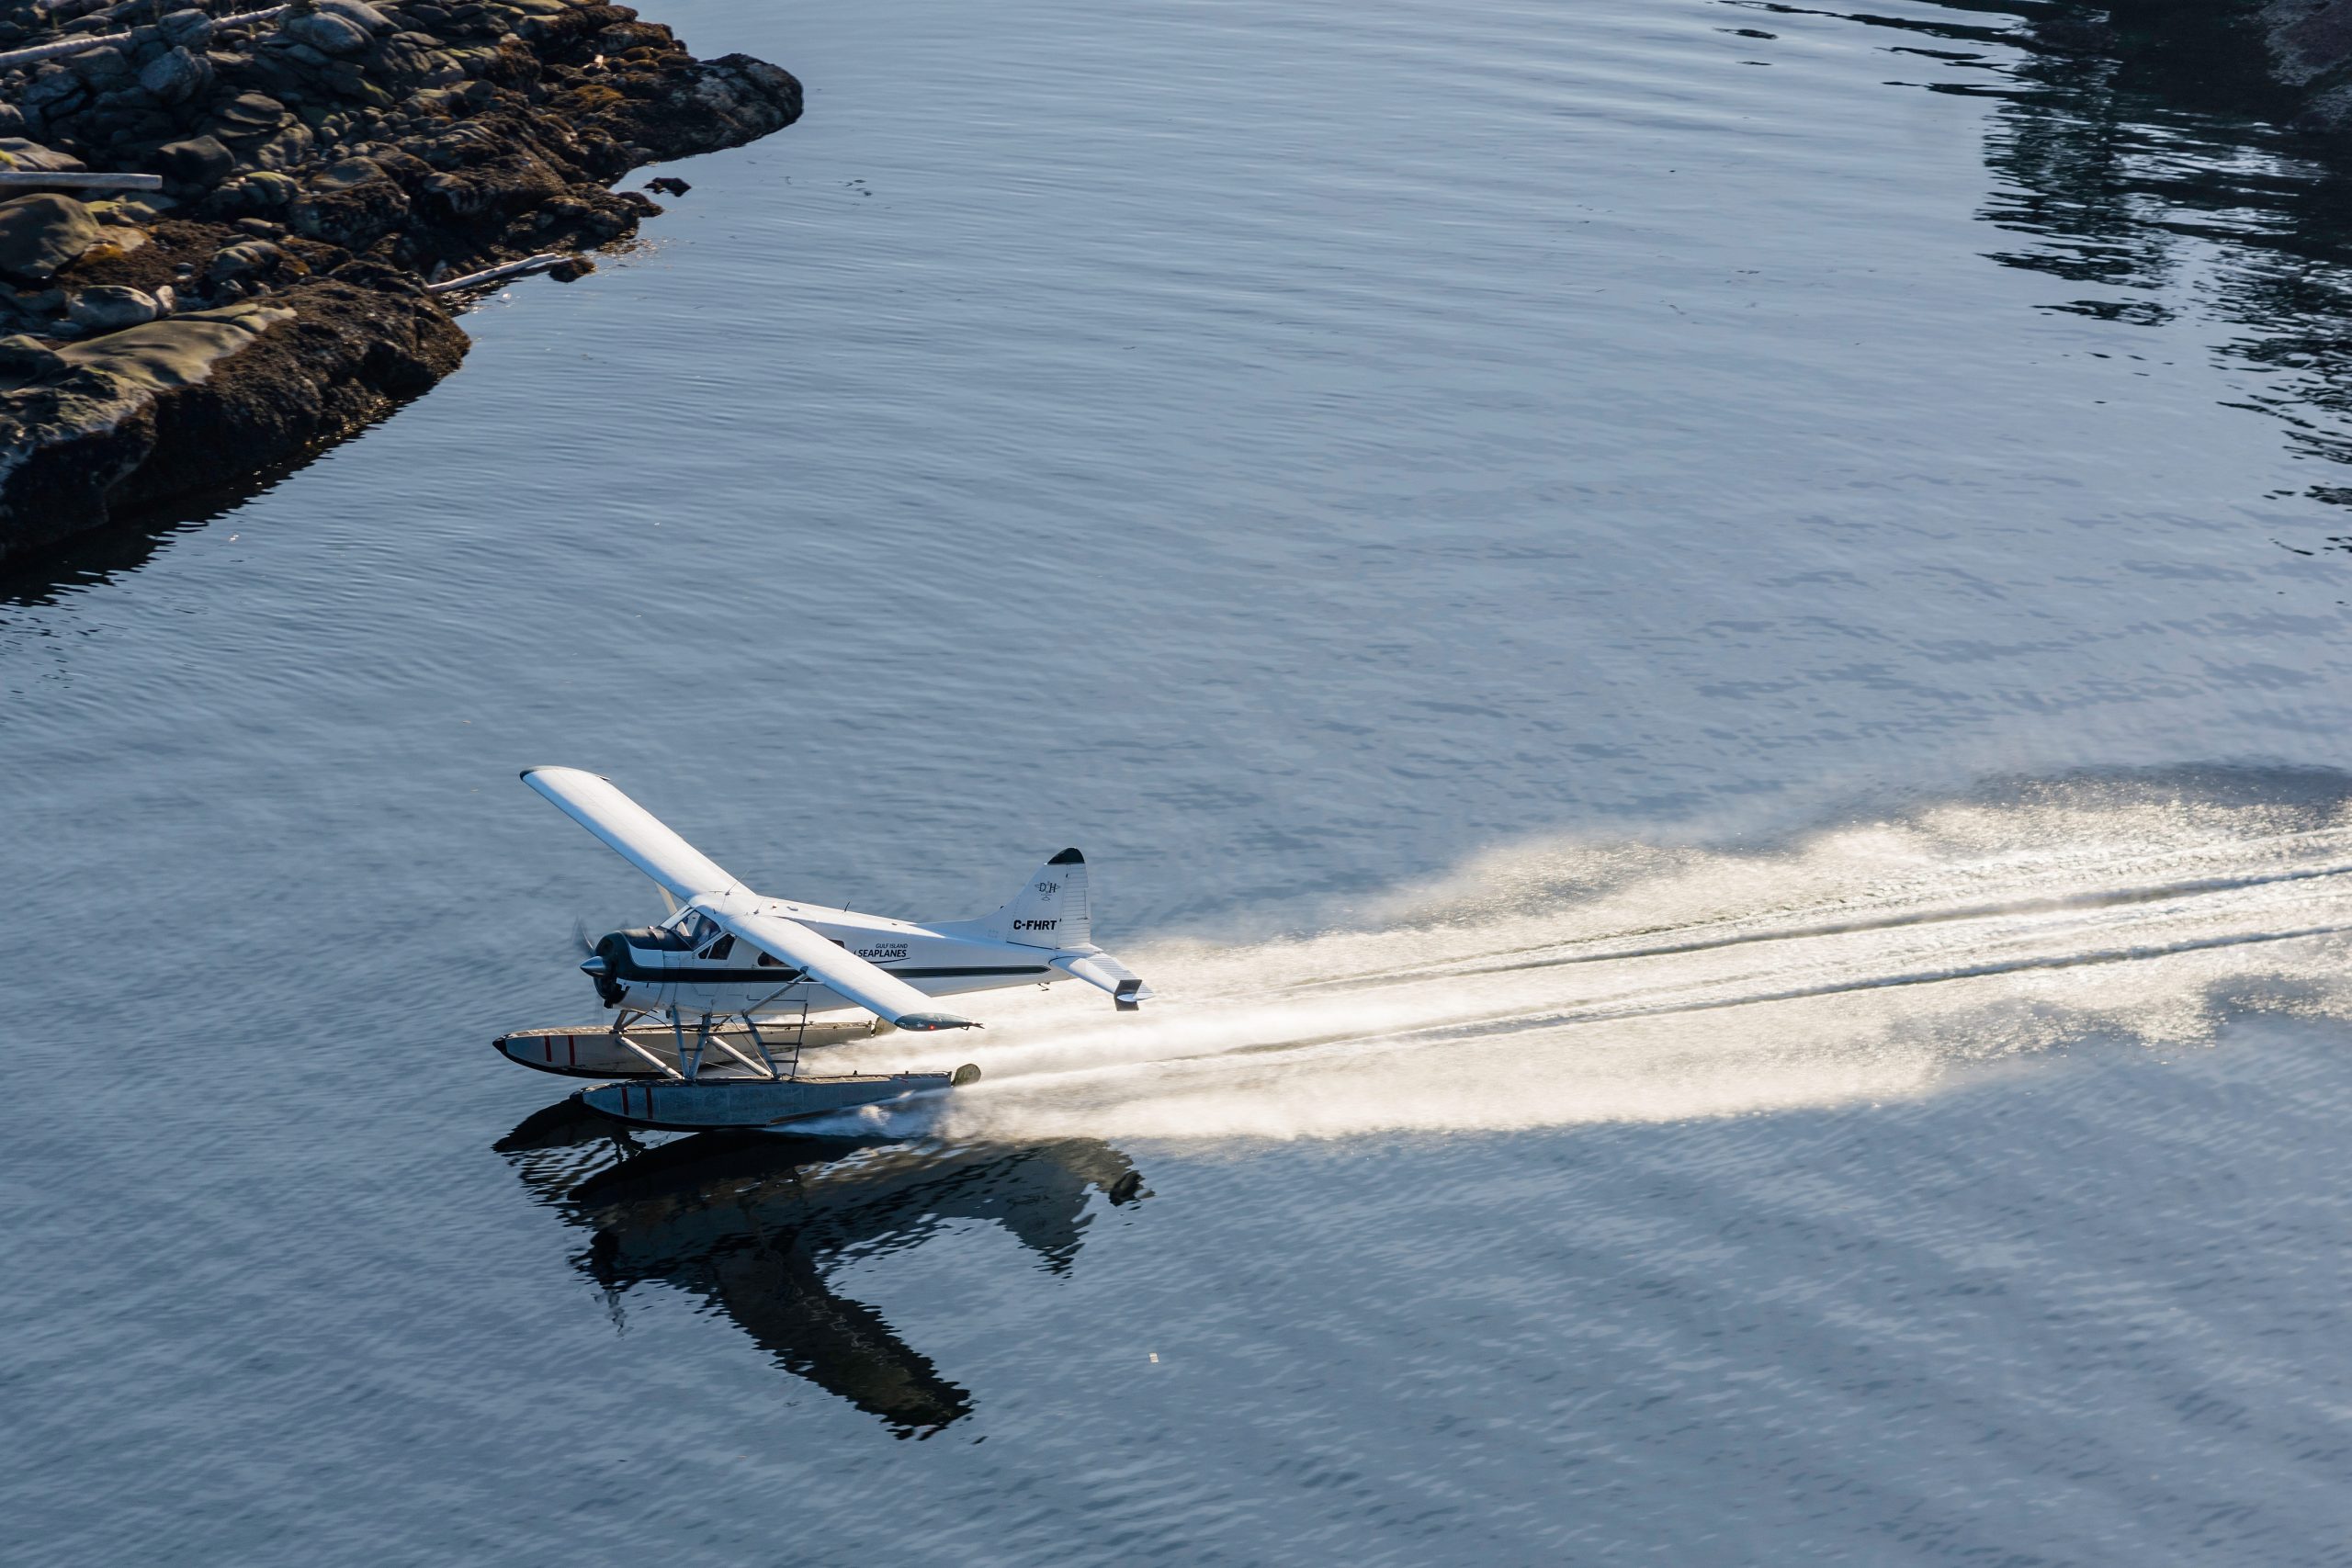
[
  {"x": 2289, "y": 62},
  {"x": 323, "y": 178},
  {"x": 2308, "y": 45}
]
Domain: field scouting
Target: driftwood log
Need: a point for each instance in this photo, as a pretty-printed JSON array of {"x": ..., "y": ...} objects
[
  {"x": 41, "y": 51},
  {"x": 58, "y": 179},
  {"x": 539, "y": 262}
]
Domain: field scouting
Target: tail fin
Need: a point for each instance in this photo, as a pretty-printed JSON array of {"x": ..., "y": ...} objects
[{"x": 1051, "y": 909}]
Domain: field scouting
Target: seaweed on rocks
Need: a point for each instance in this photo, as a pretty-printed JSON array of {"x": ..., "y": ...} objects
[{"x": 322, "y": 163}]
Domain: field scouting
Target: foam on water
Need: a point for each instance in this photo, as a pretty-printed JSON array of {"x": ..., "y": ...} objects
[{"x": 1559, "y": 982}]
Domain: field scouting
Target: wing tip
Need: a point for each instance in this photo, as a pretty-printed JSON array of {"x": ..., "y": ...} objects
[{"x": 1068, "y": 857}]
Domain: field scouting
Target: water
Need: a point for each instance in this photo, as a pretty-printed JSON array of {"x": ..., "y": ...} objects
[{"x": 1707, "y": 666}]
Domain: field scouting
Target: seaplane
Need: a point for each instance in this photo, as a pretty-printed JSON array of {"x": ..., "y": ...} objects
[{"x": 715, "y": 1005}]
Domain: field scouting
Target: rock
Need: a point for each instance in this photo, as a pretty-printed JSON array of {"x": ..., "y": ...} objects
[
  {"x": 40, "y": 233},
  {"x": 328, "y": 33},
  {"x": 263, "y": 190},
  {"x": 351, "y": 205},
  {"x": 347, "y": 173},
  {"x": 190, "y": 29},
  {"x": 101, "y": 70},
  {"x": 48, "y": 302},
  {"x": 54, "y": 91},
  {"x": 175, "y": 77},
  {"x": 359, "y": 14},
  {"x": 316, "y": 166},
  {"x": 2327, "y": 112},
  {"x": 251, "y": 114},
  {"x": 199, "y": 162},
  {"x": 243, "y": 258},
  {"x": 289, "y": 148},
  {"x": 16, "y": 152},
  {"x": 720, "y": 103},
  {"x": 115, "y": 242},
  {"x": 668, "y": 184},
  {"x": 111, "y": 308},
  {"x": 24, "y": 358}
]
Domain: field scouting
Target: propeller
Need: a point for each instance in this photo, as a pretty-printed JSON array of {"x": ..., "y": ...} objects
[{"x": 593, "y": 964}]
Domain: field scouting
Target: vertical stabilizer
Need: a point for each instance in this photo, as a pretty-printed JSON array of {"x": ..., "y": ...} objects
[{"x": 1051, "y": 909}]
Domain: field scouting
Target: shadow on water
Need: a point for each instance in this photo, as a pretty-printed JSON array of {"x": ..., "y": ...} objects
[
  {"x": 751, "y": 1224},
  {"x": 2143, "y": 157},
  {"x": 129, "y": 540}
]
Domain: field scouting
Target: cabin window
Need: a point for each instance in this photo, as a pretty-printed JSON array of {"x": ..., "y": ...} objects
[
  {"x": 718, "y": 951},
  {"x": 770, "y": 961}
]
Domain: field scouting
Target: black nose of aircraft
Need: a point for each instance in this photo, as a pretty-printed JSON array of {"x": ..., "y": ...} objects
[{"x": 605, "y": 966}]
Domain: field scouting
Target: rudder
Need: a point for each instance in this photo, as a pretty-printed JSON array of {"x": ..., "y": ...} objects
[{"x": 1051, "y": 909}]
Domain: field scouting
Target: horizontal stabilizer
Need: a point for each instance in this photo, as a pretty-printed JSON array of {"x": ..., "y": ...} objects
[
  {"x": 641, "y": 839},
  {"x": 1099, "y": 969}
]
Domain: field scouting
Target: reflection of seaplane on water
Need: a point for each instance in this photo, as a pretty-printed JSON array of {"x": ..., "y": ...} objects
[
  {"x": 757, "y": 1227},
  {"x": 713, "y": 1005}
]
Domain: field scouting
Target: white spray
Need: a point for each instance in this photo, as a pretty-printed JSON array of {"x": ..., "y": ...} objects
[{"x": 1559, "y": 983}]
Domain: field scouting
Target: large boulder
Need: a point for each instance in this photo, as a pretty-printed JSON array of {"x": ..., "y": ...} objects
[
  {"x": 243, "y": 259},
  {"x": 16, "y": 152},
  {"x": 328, "y": 33},
  {"x": 54, "y": 91},
  {"x": 252, "y": 194},
  {"x": 190, "y": 29},
  {"x": 111, "y": 308},
  {"x": 24, "y": 358},
  {"x": 198, "y": 161},
  {"x": 718, "y": 103},
  {"x": 248, "y": 117},
  {"x": 177, "y": 76},
  {"x": 359, "y": 13},
  {"x": 101, "y": 70},
  {"x": 40, "y": 233}
]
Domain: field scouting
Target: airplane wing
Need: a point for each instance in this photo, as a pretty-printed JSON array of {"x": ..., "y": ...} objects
[
  {"x": 868, "y": 985},
  {"x": 591, "y": 800}
]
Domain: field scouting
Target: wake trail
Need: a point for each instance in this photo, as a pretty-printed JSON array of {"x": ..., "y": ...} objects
[
  {"x": 1526, "y": 957},
  {"x": 1512, "y": 1022},
  {"x": 1555, "y": 983}
]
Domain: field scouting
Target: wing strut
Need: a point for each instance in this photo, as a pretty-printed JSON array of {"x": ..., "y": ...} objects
[{"x": 868, "y": 985}]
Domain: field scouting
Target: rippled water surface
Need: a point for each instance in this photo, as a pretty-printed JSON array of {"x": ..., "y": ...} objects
[{"x": 1701, "y": 645}]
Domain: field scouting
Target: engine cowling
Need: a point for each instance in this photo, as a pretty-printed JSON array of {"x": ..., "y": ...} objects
[{"x": 640, "y": 955}]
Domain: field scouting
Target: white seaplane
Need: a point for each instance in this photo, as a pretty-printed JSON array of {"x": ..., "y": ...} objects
[{"x": 714, "y": 1005}]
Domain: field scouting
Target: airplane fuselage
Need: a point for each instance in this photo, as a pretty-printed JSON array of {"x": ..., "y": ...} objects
[{"x": 687, "y": 965}]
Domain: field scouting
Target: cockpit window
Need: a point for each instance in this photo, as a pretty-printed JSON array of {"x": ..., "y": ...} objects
[
  {"x": 699, "y": 929},
  {"x": 718, "y": 951}
]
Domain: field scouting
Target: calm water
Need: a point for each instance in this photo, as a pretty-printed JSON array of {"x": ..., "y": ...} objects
[{"x": 1703, "y": 645}]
